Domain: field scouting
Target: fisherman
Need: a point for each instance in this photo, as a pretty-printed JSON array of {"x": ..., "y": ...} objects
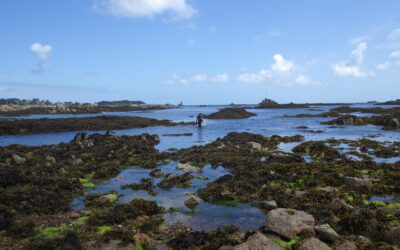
[{"x": 199, "y": 120}]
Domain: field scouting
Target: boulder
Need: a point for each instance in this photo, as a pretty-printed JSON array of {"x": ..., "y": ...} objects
[
  {"x": 288, "y": 223},
  {"x": 18, "y": 159},
  {"x": 258, "y": 241},
  {"x": 327, "y": 189},
  {"x": 358, "y": 183},
  {"x": 326, "y": 233},
  {"x": 192, "y": 202},
  {"x": 312, "y": 244},
  {"x": 187, "y": 168}
]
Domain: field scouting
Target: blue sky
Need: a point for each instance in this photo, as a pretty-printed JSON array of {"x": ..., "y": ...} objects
[{"x": 200, "y": 51}]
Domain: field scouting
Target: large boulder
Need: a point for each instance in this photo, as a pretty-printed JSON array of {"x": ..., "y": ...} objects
[
  {"x": 326, "y": 233},
  {"x": 312, "y": 244},
  {"x": 187, "y": 168},
  {"x": 358, "y": 183},
  {"x": 258, "y": 241},
  {"x": 288, "y": 223}
]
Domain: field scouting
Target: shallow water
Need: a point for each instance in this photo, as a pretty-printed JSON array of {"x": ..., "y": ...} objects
[{"x": 267, "y": 122}]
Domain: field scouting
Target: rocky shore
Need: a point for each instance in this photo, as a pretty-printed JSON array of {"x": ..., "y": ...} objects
[
  {"x": 317, "y": 197},
  {"x": 18, "y": 110},
  {"x": 35, "y": 126}
]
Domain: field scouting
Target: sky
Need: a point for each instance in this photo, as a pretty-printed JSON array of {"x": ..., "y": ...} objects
[{"x": 200, "y": 51}]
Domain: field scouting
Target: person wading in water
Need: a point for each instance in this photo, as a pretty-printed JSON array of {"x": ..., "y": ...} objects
[{"x": 199, "y": 120}]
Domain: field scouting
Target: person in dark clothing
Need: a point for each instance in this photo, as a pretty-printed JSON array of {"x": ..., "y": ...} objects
[{"x": 199, "y": 120}]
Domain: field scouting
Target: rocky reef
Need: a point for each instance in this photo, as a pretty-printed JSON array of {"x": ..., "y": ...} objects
[
  {"x": 34, "y": 126},
  {"x": 231, "y": 113},
  {"x": 388, "y": 122},
  {"x": 268, "y": 103}
]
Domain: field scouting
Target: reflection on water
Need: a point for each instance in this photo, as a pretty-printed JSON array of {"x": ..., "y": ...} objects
[{"x": 209, "y": 216}]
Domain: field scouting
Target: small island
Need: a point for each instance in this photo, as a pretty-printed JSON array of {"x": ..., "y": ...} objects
[
  {"x": 231, "y": 113},
  {"x": 271, "y": 104}
]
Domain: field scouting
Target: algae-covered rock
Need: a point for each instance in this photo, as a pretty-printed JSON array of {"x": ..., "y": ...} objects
[
  {"x": 192, "y": 202},
  {"x": 187, "y": 168},
  {"x": 288, "y": 223},
  {"x": 258, "y": 241},
  {"x": 231, "y": 113}
]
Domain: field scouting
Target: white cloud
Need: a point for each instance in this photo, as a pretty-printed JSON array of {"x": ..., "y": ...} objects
[
  {"x": 282, "y": 71},
  {"x": 281, "y": 65},
  {"x": 395, "y": 34},
  {"x": 42, "y": 53},
  {"x": 353, "y": 66},
  {"x": 383, "y": 66},
  {"x": 220, "y": 78},
  {"x": 199, "y": 78},
  {"x": 395, "y": 53},
  {"x": 177, "y": 9}
]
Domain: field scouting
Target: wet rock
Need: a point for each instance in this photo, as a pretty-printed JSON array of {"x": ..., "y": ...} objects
[
  {"x": 337, "y": 204},
  {"x": 268, "y": 204},
  {"x": 187, "y": 168},
  {"x": 258, "y": 241},
  {"x": 18, "y": 159},
  {"x": 156, "y": 173},
  {"x": 358, "y": 183},
  {"x": 394, "y": 236},
  {"x": 326, "y": 233},
  {"x": 312, "y": 244},
  {"x": 288, "y": 222},
  {"x": 110, "y": 133},
  {"x": 346, "y": 245},
  {"x": 80, "y": 137},
  {"x": 143, "y": 239},
  {"x": 192, "y": 202}
]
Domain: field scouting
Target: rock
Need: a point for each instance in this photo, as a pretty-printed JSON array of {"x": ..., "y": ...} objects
[
  {"x": 346, "y": 245},
  {"x": 18, "y": 159},
  {"x": 187, "y": 168},
  {"x": 110, "y": 133},
  {"x": 111, "y": 245},
  {"x": 327, "y": 189},
  {"x": 226, "y": 248},
  {"x": 51, "y": 159},
  {"x": 77, "y": 161},
  {"x": 394, "y": 236},
  {"x": 337, "y": 204},
  {"x": 268, "y": 204},
  {"x": 288, "y": 222},
  {"x": 326, "y": 233},
  {"x": 312, "y": 244},
  {"x": 75, "y": 215},
  {"x": 156, "y": 173},
  {"x": 256, "y": 145},
  {"x": 300, "y": 193},
  {"x": 80, "y": 137},
  {"x": 141, "y": 238},
  {"x": 192, "y": 202},
  {"x": 358, "y": 183},
  {"x": 258, "y": 241}
]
